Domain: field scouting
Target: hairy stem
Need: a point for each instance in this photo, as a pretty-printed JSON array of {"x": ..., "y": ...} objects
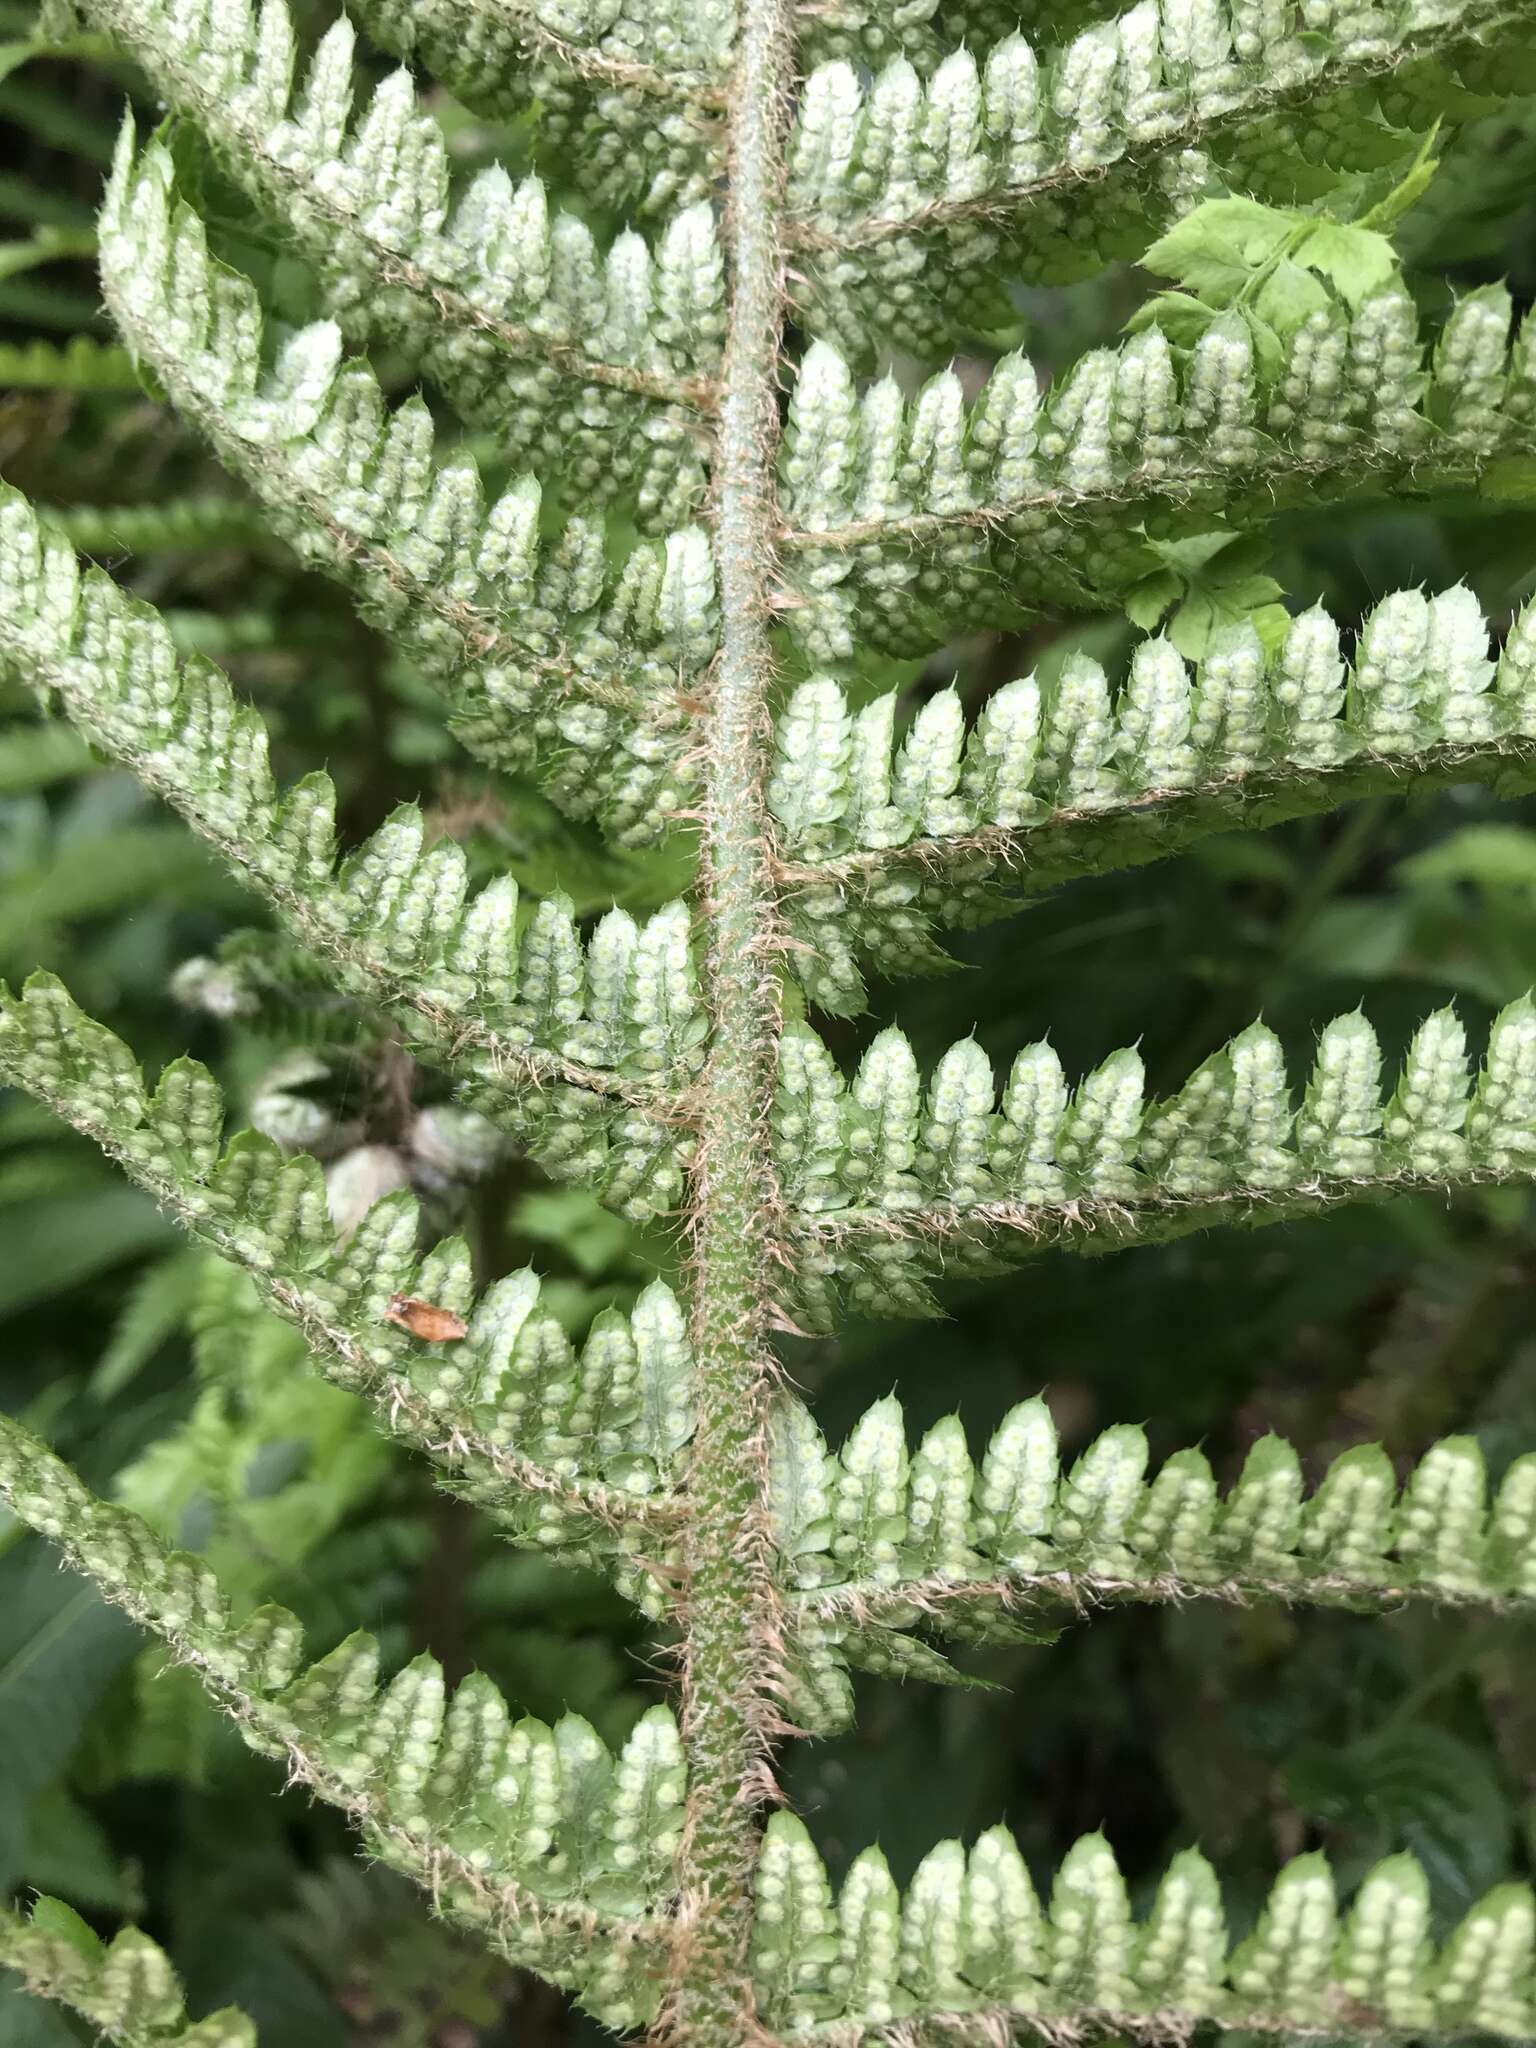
[{"x": 730, "y": 1607}]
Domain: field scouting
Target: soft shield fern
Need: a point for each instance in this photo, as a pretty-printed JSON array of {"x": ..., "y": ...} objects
[
  {"x": 663, "y": 570},
  {"x": 126, "y": 1990}
]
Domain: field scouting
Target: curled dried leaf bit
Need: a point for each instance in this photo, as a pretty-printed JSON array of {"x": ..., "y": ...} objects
[{"x": 425, "y": 1319}]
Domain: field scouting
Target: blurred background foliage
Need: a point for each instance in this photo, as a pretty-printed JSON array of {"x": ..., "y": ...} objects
[{"x": 1258, "y": 1732}]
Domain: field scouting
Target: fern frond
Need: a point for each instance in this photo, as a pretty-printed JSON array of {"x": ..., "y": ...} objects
[
  {"x": 925, "y": 32},
  {"x": 879, "y": 844},
  {"x": 970, "y": 1954},
  {"x": 889, "y": 1180},
  {"x": 904, "y": 522},
  {"x": 556, "y": 1851},
  {"x": 877, "y": 1540},
  {"x": 530, "y": 331},
  {"x": 79, "y": 364},
  {"x": 209, "y": 520},
  {"x": 564, "y": 1453},
  {"x": 629, "y": 99},
  {"x": 848, "y": 153},
  {"x": 911, "y": 199},
  {"x": 126, "y": 1989},
  {"x": 546, "y": 653},
  {"x": 393, "y": 922}
]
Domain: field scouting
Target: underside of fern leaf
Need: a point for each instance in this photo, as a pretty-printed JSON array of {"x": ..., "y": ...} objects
[
  {"x": 125, "y": 1989},
  {"x": 652, "y": 488}
]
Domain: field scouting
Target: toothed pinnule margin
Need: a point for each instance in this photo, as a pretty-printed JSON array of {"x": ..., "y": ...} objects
[
  {"x": 524, "y": 1832},
  {"x": 886, "y": 1547},
  {"x": 884, "y": 845},
  {"x": 967, "y": 159},
  {"x": 908, "y": 521},
  {"x": 890, "y": 1181},
  {"x": 532, "y": 333},
  {"x": 652, "y": 527}
]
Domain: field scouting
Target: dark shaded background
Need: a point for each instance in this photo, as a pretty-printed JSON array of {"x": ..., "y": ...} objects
[{"x": 1258, "y": 1733}]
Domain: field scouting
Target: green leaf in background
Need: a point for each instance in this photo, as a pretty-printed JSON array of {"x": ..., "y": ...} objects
[
  {"x": 1409, "y": 188},
  {"x": 60, "y": 1644},
  {"x": 1217, "y": 248},
  {"x": 1284, "y": 298},
  {"x": 159, "y": 1305},
  {"x": 67, "y": 1851},
  {"x": 47, "y": 245},
  {"x": 1356, "y": 260},
  {"x": 84, "y": 47},
  {"x": 36, "y": 756},
  {"x": 1493, "y": 856},
  {"x": 28, "y": 2022},
  {"x": 97, "y": 874},
  {"x": 81, "y": 364},
  {"x": 1209, "y": 582},
  {"x": 1267, "y": 269},
  {"x": 54, "y": 1246},
  {"x": 56, "y": 1917},
  {"x": 271, "y": 1459},
  {"x": 595, "y": 1240},
  {"x": 1414, "y": 1787}
]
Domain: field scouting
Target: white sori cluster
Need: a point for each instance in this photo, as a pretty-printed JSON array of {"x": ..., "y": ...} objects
[
  {"x": 530, "y": 330},
  {"x": 603, "y": 435},
  {"x": 905, "y": 519},
  {"x": 395, "y": 920},
  {"x": 557, "y": 1446},
  {"x": 930, "y": 1538},
  {"x": 547, "y": 653},
  {"x": 448, "y": 1788},
  {"x": 881, "y": 1170},
  {"x": 1200, "y": 43},
  {"x": 619, "y": 1412},
  {"x": 627, "y": 92},
  {"x": 886, "y": 841},
  {"x": 125, "y": 1988},
  {"x": 1423, "y": 677},
  {"x": 881, "y": 1543},
  {"x": 927, "y": 31},
  {"x": 601, "y": 370},
  {"x": 970, "y": 1938},
  {"x": 916, "y": 188}
]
